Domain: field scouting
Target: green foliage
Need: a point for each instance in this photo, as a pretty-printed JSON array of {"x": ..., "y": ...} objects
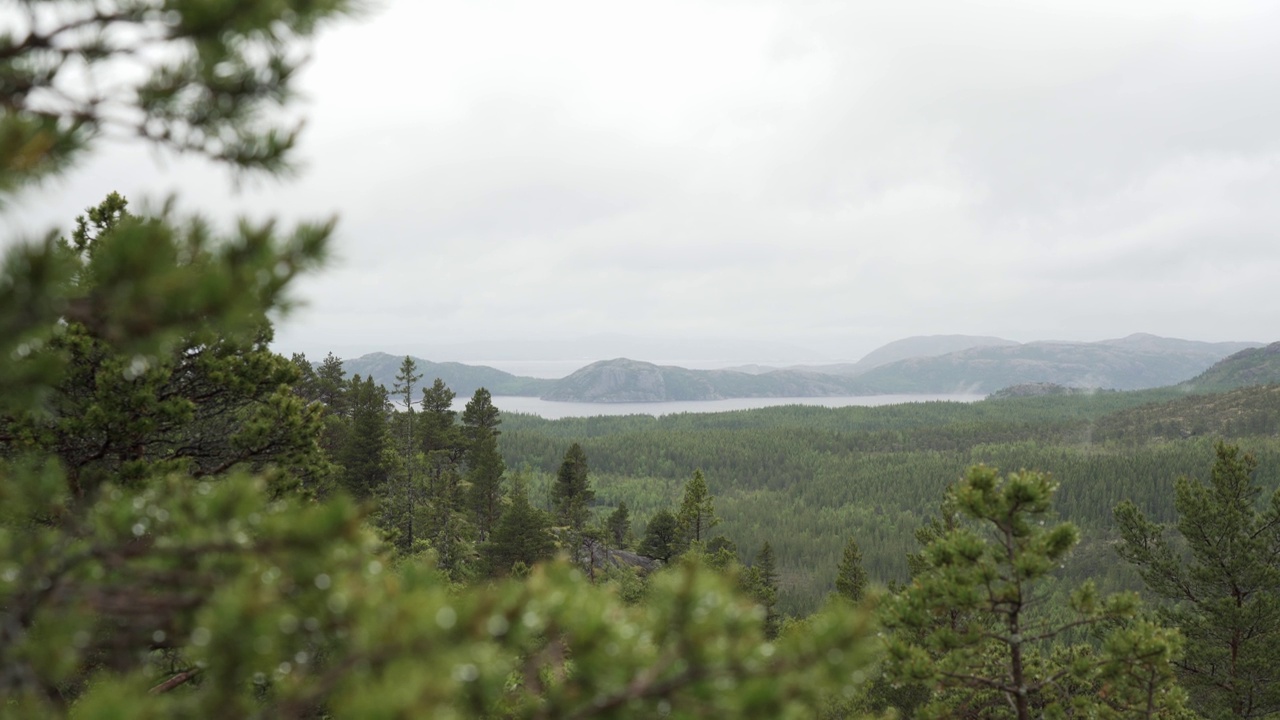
[
  {"x": 851, "y": 577},
  {"x": 697, "y": 513},
  {"x": 522, "y": 535},
  {"x": 363, "y": 456},
  {"x": 805, "y": 478},
  {"x": 760, "y": 581},
  {"x": 661, "y": 537},
  {"x": 480, "y": 420},
  {"x": 971, "y": 620},
  {"x": 571, "y": 494},
  {"x": 1215, "y": 568},
  {"x": 190, "y": 75},
  {"x": 618, "y": 524}
]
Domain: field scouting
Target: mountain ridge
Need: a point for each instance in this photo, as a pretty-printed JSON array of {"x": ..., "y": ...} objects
[{"x": 987, "y": 364}]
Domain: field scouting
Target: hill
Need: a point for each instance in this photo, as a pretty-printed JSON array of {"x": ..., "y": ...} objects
[
  {"x": 1252, "y": 366},
  {"x": 624, "y": 380},
  {"x": 462, "y": 379},
  {"x": 1244, "y": 411},
  {"x": 922, "y": 346},
  {"x": 1133, "y": 363}
]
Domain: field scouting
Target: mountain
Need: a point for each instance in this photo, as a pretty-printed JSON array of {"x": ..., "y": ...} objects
[
  {"x": 1132, "y": 363},
  {"x": 1146, "y": 342},
  {"x": 1252, "y": 366},
  {"x": 462, "y": 379},
  {"x": 623, "y": 380},
  {"x": 921, "y": 346}
]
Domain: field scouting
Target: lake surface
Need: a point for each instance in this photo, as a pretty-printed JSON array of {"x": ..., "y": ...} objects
[{"x": 552, "y": 410}]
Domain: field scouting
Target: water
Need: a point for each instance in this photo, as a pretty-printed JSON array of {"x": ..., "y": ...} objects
[{"x": 552, "y": 410}]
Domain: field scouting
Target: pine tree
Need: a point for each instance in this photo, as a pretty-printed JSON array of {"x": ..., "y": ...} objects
[
  {"x": 485, "y": 467},
  {"x": 331, "y": 385},
  {"x": 661, "y": 537},
  {"x": 762, "y": 582},
  {"x": 997, "y": 663},
  {"x": 697, "y": 510},
  {"x": 307, "y": 385},
  {"x": 363, "y": 457},
  {"x": 439, "y": 433},
  {"x": 446, "y": 525},
  {"x": 851, "y": 579},
  {"x": 619, "y": 525},
  {"x": 406, "y": 379},
  {"x": 522, "y": 535},
  {"x": 1223, "y": 590},
  {"x": 571, "y": 495}
]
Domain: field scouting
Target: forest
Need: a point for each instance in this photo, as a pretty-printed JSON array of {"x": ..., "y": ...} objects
[{"x": 193, "y": 525}]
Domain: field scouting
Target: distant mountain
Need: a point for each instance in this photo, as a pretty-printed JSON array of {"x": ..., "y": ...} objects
[
  {"x": 1146, "y": 342},
  {"x": 462, "y": 379},
  {"x": 1252, "y": 366},
  {"x": 623, "y": 380},
  {"x": 922, "y": 346},
  {"x": 987, "y": 365},
  {"x": 1132, "y": 363}
]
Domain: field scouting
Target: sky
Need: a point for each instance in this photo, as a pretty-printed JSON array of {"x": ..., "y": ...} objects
[{"x": 765, "y": 181}]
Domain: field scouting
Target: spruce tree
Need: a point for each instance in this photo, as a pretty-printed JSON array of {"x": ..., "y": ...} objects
[{"x": 1217, "y": 572}]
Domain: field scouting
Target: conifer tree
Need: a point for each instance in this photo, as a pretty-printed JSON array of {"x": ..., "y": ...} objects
[
  {"x": 697, "y": 510},
  {"x": 406, "y": 379},
  {"x": 761, "y": 581},
  {"x": 619, "y": 525},
  {"x": 661, "y": 537},
  {"x": 331, "y": 385},
  {"x": 307, "y": 385},
  {"x": 440, "y": 433},
  {"x": 571, "y": 494},
  {"x": 1223, "y": 590},
  {"x": 363, "y": 457},
  {"x": 999, "y": 662},
  {"x": 522, "y": 534},
  {"x": 485, "y": 467},
  {"x": 851, "y": 579},
  {"x": 446, "y": 526}
]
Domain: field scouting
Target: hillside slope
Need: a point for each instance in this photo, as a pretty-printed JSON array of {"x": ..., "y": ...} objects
[
  {"x": 624, "y": 380},
  {"x": 1253, "y": 366},
  {"x": 1133, "y": 363},
  {"x": 462, "y": 379}
]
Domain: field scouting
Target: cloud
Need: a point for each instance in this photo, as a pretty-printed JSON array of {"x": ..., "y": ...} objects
[{"x": 833, "y": 175}]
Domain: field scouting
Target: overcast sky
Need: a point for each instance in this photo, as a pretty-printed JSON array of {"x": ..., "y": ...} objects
[{"x": 818, "y": 177}]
